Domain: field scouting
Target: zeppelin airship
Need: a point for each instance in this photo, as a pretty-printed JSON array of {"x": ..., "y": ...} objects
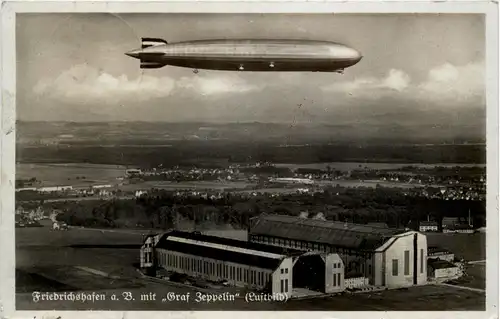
[{"x": 247, "y": 55}]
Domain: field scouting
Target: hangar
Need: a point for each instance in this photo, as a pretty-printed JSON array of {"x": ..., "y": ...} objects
[
  {"x": 257, "y": 266},
  {"x": 387, "y": 257}
]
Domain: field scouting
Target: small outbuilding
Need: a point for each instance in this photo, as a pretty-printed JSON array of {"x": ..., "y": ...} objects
[{"x": 441, "y": 270}]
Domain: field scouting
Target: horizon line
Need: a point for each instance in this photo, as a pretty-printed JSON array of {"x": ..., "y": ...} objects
[{"x": 222, "y": 122}]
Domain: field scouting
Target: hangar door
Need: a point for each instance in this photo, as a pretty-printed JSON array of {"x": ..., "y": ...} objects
[{"x": 309, "y": 273}]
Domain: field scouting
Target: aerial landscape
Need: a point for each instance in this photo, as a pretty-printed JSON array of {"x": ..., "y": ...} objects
[{"x": 197, "y": 188}]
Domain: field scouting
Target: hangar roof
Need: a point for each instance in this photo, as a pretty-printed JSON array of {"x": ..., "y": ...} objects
[
  {"x": 353, "y": 236},
  {"x": 225, "y": 249}
]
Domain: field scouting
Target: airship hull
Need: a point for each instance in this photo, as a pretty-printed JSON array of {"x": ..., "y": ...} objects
[
  {"x": 248, "y": 55},
  {"x": 250, "y": 65}
]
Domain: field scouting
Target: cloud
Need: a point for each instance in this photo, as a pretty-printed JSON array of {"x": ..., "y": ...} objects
[
  {"x": 83, "y": 82},
  {"x": 449, "y": 81},
  {"x": 443, "y": 83},
  {"x": 396, "y": 80},
  {"x": 214, "y": 85}
]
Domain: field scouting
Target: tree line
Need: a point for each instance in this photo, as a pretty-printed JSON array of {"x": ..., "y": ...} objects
[{"x": 163, "y": 209}]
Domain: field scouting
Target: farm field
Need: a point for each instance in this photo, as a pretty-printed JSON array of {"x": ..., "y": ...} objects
[
  {"x": 271, "y": 190},
  {"x": 367, "y": 183},
  {"x": 471, "y": 247},
  {"x": 66, "y": 174},
  {"x": 341, "y": 183},
  {"x": 194, "y": 185},
  {"x": 109, "y": 250},
  {"x": 347, "y": 166}
]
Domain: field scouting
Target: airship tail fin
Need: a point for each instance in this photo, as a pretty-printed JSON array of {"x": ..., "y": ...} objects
[{"x": 149, "y": 42}]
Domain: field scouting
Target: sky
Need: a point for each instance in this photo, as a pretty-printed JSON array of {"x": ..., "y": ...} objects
[{"x": 416, "y": 69}]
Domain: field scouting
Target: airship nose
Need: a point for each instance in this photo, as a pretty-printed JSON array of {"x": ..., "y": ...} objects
[
  {"x": 355, "y": 55},
  {"x": 134, "y": 53},
  {"x": 345, "y": 53}
]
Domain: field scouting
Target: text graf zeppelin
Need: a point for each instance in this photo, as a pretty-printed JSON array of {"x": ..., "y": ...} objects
[{"x": 169, "y": 297}]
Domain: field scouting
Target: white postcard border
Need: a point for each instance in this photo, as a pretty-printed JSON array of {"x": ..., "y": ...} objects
[{"x": 7, "y": 140}]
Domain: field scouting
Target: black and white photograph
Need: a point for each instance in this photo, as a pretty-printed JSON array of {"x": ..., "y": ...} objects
[{"x": 251, "y": 161}]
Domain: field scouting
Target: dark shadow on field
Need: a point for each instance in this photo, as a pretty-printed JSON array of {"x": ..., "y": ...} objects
[
  {"x": 68, "y": 278},
  {"x": 27, "y": 281},
  {"x": 105, "y": 246}
]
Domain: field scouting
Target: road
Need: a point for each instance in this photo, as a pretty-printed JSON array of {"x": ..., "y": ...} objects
[
  {"x": 75, "y": 199},
  {"x": 116, "y": 231},
  {"x": 463, "y": 287},
  {"x": 477, "y": 262}
]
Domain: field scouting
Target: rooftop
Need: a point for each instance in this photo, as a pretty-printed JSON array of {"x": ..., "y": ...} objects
[
  {"x": 450, "y": 220},
  {"x": 436, "y": 249},
  {"x": 427, "y": 223},
  {"x": 354, "y": 236},
  {"x": 230, "y": 250},
  {"x": 460, "y": 227},
  {"x": 441, "y": 264}
]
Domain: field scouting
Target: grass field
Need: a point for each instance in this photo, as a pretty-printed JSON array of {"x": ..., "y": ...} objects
[
  {"x": 476, "y": 277},
  {"x": 471, "y": 247},
  {"x": 46, "y": 260},
  {"x": 66, "y": 174},
  {"x": 367, "y": 183},
  {"x": 194, "y": 185},
  {"x": 348, "y": 166}
]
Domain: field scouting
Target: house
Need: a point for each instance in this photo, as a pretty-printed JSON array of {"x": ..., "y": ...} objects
[
  {"x": 460, "y": 228},
  {"x": 449, "y": 221},
  {"x": 428, "y": 226}
]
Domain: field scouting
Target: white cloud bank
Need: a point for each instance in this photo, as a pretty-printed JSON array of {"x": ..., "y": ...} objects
[
  {"x": 216, "y": 85},
  {"x": 448, "y": 81},
  {"x": 396, "y": 80},
  {"x": 444, "y": 83},
  {"x": 83, "y": 82}
]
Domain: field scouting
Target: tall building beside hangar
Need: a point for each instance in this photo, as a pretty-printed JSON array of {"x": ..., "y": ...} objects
[
  {"x": 387, "y": 257},
  {"x": 257, "y": 266}
]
